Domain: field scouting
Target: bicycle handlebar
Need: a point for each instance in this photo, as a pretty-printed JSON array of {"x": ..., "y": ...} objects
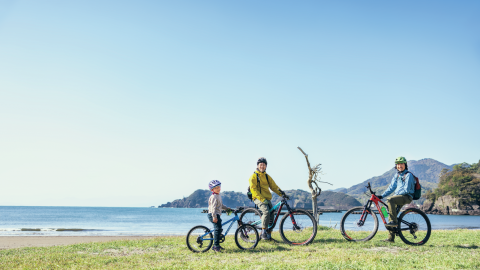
[{"x": 370, "y": 188}]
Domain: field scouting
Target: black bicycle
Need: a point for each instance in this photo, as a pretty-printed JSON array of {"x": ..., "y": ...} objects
[
  {"x": 361, "y": 223},
  {"x": 297, "y": 227}
]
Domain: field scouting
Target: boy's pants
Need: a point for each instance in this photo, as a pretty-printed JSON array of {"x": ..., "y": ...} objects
[
  {"x": 393, "y": 202},
  {"x": 217, "y": 229},
  {"x": 264, "y": 208}
]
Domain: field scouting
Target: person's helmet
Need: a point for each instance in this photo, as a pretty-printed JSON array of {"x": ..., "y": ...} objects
[
  {"x": 262, "y": 160},
  {"x": 214, "y": 183},
  {"x": 400, "y": 160}
]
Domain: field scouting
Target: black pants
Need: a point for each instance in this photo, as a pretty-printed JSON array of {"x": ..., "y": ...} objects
[{"x": 217, "y": 229}]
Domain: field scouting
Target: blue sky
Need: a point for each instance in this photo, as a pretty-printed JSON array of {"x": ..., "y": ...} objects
[{"x": 122, "y": 103}]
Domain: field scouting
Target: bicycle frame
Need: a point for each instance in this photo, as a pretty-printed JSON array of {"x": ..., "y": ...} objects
[
  {"x": 235, "y": 218},
  {"x": 374, "y": 199},
  {"x": 278, "y": 206}
]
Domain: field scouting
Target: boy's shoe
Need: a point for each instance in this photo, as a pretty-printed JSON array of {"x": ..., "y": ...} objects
[
  {"x": 391, "y": 224},
  {"x": 216, "y": 248}
]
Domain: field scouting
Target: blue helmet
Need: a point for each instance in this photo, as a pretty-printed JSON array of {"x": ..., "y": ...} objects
[{"x": 214, "y": 183}]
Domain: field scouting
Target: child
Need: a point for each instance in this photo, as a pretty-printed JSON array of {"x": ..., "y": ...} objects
[{"x": 215, "y": 206}]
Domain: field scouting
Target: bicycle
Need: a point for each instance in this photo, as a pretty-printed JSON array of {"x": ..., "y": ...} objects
[
  {"x": 297, "y": 227},
  {"x": 356, "y": 225},
  {"x": 200, "y": 238}
]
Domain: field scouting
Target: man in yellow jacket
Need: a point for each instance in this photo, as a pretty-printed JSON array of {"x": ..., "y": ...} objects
[{"x": 260, "y": 185}]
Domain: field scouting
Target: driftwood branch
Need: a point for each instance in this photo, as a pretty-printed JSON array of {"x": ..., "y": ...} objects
[{"x": 313, "y": 180}]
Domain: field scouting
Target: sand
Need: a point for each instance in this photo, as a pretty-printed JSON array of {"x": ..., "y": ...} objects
[{"x": 7, "y": 242}]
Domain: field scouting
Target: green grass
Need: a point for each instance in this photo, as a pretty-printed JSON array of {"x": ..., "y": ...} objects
[{"x": 456, "y": 249}]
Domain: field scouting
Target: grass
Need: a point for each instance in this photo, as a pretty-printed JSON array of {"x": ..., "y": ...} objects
[{"x": 454, "y": 249}]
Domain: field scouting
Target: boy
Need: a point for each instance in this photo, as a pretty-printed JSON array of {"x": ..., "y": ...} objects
[{"x": 215, "y": 206}]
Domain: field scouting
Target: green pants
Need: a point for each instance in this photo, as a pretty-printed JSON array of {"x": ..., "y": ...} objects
[
  {"x": 264, "y": 208},
  {"x": 392, "y": 203}
]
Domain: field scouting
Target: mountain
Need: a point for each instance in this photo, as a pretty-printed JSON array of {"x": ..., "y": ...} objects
[
  {"x": 199, "y": 199},
  {"x": 298, "y": 199},
  {"x": 458, "y": 192},
  {"x": 427, "y": 170}
]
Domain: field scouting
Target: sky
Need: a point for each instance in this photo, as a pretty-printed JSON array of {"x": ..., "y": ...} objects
[{"x": 138, "y": 103}]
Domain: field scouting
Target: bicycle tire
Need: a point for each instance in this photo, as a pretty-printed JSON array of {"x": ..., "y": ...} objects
[
  {"x": 303, "y": 235},
  {"x": 246, "y": 237},
  {"x": 250, "y": 215},
  {"x": 349, "y": 225},
  {"x": 197, "y": 245},
  {"x": 420, "y": 228}
]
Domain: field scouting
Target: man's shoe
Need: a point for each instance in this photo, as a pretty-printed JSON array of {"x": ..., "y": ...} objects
[
  {"x": 391, "y": 224},
  {"x": 216, "y": 248},
  {"x": 264, "y": 235},
  {"x": 389, "y": 240}
]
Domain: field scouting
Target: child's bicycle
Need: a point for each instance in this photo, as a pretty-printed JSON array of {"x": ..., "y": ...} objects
[
  {"x": 361, "y": 223},
  {"x": 297, "y": 227},
  {"x": 200, "y": 238}
]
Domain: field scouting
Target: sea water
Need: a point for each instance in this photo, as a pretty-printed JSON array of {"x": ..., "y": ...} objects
[{"x": 117, "y": 221}]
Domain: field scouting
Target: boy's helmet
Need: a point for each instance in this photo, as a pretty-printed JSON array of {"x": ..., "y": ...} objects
[
  {"x": 400, "y": 160},
  {"x": 262, "y": 160},
  {"x": 214, "y": 183}
]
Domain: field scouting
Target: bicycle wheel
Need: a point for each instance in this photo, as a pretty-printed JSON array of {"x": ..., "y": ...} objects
[
  {"x": 246, "y": 237},
  {"x": 298, "y": 227},
  {"x": 195, "y": 241},
  {"x": 354, "y": 229},
  {"x": 415, "y": 228},
  {"x": 251, "y": 215}
]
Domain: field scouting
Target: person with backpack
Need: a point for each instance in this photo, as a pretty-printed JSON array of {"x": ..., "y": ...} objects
[
  {"x": 260, "y": 185},
  {"x": 403, "y": 183}
]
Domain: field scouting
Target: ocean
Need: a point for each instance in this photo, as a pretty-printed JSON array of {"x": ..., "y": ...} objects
[{"x": 131, "y": 221}]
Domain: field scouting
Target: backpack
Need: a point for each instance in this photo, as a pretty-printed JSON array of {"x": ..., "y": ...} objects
[
  {"x": 249, "y": 193},
  {"x": 418, "y": 188}
]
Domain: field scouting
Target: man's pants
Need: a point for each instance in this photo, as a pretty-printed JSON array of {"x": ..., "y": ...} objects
[
  {"x": 217, "y": 229},
  {"x": 392, "y": 203},
  {"x": 264, "y": 208}
]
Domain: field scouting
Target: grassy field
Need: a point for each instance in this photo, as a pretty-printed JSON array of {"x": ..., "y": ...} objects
[{"x": 457, "y": 249}]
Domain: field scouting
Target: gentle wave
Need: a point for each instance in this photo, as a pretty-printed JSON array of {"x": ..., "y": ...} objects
[{"x": 45, "y": 230}]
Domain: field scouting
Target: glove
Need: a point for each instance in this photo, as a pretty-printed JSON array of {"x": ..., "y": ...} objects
[
  {"x": 284, "y": 195},
  {"x": 380, "y": 197},
  {"x": 229, "y": 211}
]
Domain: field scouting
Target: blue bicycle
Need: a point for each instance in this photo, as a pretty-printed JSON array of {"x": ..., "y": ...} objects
[
  {"x": 297, "y": 227},
  {"x": 200, "y": 238}
]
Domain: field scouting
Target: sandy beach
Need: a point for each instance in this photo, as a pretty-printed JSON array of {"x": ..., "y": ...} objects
[{"x": 7, "y": 242}]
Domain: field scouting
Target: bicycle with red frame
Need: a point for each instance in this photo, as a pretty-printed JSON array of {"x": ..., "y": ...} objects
[{"x": 361, "y": 223}]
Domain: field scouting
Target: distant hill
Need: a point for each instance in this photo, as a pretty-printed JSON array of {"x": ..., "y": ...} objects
[
  {"x": 298, "y": 199},
  {"x": 458, "y": 192},
  {"x": 199, "y": 199},
  {"x": 427, "y": 170}
]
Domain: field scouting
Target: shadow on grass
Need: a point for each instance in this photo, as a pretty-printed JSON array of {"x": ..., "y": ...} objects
[
  {"x": 329, "y": 240},
  {"x": 466, "y": 246}
]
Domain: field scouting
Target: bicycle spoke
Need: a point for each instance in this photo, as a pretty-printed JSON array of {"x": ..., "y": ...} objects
[
  {"x": 298, "y": 228},
  {"x": 195, "y": 241},
  {"x": 250, "y": 216},
  {"x": 358, "y": 227},
  {"x": 246, "y": 237},
  {"x": 415, "y": 227}
]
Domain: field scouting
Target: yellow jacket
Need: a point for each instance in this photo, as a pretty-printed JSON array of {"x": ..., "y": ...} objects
[{"x": 262, "y": 192}]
